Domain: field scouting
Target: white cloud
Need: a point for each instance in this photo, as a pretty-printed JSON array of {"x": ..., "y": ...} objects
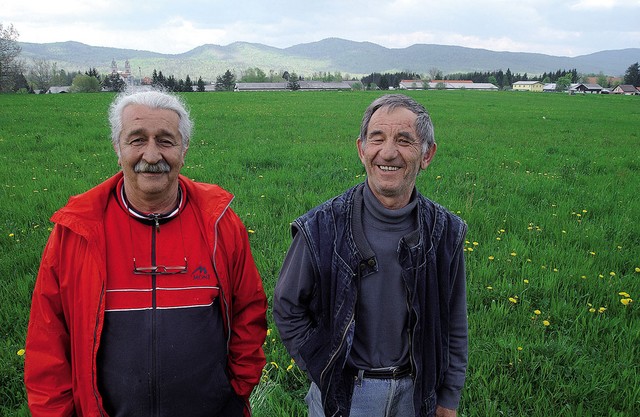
[
  {"x": 570, "y": 28},
  {"x": 597, "y": 4}
]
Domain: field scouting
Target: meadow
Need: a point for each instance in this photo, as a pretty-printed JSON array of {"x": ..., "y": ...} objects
[{"x": 548, "y": 184}]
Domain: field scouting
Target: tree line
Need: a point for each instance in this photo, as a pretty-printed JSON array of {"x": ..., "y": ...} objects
[{"x": 43, "y": 74}]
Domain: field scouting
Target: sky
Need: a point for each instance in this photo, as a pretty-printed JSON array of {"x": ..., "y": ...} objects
[{"x": 553, "y": 27}]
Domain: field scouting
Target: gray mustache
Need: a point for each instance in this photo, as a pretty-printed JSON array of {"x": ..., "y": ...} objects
[{"x": 159, "y": 167}]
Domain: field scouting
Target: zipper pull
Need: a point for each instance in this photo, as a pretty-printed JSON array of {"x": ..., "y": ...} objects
[{"x": 155, "y": 219}]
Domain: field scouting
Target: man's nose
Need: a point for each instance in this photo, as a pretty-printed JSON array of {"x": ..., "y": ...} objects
[
  {"x": 389, "y": 150},
  {"x": 152, "y": 153}
]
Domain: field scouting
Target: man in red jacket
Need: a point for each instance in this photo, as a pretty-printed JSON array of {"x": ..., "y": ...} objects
[{"x": 148, "y": 301}]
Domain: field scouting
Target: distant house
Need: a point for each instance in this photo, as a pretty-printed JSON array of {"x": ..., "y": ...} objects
[
  {"x": 535, "y": 86},
  {"x": 58, "y": 90},
  {"x": 585, "y": 88},
  {"x": 549, "y": 88},
  {"x": 304, "y": 86},
  {"x": 626, "y": 89}
]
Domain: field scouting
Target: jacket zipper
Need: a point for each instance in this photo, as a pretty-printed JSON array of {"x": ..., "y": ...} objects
[
  {"x": 154, "y": 335},
  {"x": 95, "y": 342}
]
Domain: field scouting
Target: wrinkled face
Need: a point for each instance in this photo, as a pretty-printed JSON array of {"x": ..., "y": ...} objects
[
  {"x": 392, "y": 155},
  {"x": 150, "y": 154}
]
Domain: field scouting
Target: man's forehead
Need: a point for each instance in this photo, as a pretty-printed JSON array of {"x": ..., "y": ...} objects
[{"x": 399, "y": 116}]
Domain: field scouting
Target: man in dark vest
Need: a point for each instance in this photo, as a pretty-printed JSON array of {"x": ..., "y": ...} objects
[{"x": 371, "y": 299}]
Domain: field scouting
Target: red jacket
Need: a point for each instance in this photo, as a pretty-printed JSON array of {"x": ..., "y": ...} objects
[{"x": 67, "y": 308}]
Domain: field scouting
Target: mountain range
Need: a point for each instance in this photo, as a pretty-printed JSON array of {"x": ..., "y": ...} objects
[{"x": 353, "y": 59}]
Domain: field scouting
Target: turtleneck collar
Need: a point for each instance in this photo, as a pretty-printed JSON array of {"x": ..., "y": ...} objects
[{"x": 383, "y": 214}]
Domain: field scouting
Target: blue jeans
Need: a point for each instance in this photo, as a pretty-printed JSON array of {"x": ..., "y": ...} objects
[{"x": 372, "y": 398}]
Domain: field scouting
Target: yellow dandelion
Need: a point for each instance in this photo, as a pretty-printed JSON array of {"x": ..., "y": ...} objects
[
  {"x": 475, "y": 243},
  {"x": 624, "y": 294},
  {"x": 546, "y": 323},
  {"x": 513, "y": 300},
  {"x": 20, "y": 352},
  {"x": 613, "y": 274},
  {"x": 491, "y": 258},
  {"x": 602, "y": 310},
  {"x": 489, "y": 287},
  {"x": 275, "y": 365},
  {"x": 470, "y": 249},
  {"x": 626, "y": 301},
  {"x": 592, "y": 310},
  {"x": 11, "y": 235},
  {"x": 290, "y": 367},
  {"x": 519, "y": 348},
  {"x": 513, "y": 254},
  {"x": 251, "y": 231},
  {"x": 526, "y": 281},
  {"x": 498, "y": 238},
  {"x": 583, "y": 277},
  {"x": 637, "y": 268},
  {"x": 268, "y": 332},
  {"x": 537, "y": 312},
  {"x": 592, "y": 253}
]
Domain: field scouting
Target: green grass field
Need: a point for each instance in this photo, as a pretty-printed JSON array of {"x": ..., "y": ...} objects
[{"x": 548, "y": 184}]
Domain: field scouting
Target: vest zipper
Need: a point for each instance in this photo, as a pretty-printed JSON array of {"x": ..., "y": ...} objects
[{"x": 342, "y": 339}]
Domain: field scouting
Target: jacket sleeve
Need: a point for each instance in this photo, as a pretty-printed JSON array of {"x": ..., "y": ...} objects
[
  {"x": 47, "y": 373},
  {"x": 451, "y": 389},
  {"x": 247, "y": 304},
  {"x": 292, "y": 297}
]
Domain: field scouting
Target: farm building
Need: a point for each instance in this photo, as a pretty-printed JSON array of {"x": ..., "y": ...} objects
[
  {"x": 445, "y": 85},
  {"x": 59, "y": 89},
  {"x": 304, "y": 85},
  {"x": 535, "y": 86}
]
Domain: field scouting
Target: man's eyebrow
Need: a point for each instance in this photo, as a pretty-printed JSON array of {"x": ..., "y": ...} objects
[
  {"x": 407, "y": 135},
  {"x": 142, "y": 131}
]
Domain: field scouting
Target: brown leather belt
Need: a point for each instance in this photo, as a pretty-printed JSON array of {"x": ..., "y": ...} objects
[{"x": 394, "y": 372}]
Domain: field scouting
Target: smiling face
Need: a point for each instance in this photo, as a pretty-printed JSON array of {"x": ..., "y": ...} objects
[
  {"x": 151, "y": 155},
  {"x": 392, "y": 155}
]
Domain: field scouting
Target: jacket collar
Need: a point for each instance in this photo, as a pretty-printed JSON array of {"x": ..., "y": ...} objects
[{"x": 83, "y": 213}]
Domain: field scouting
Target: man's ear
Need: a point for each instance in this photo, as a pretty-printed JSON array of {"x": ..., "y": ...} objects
[
  {"x": 428, "y": 156},
  {"x": 116, "y": 148},
  {"x": 360, "y": 146}
]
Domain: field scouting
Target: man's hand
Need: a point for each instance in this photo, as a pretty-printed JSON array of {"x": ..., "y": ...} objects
[{"x": 445, "y": 412}]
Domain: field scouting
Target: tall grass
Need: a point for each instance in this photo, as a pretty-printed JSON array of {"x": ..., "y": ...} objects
[{"x": 548, "y": 184}]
